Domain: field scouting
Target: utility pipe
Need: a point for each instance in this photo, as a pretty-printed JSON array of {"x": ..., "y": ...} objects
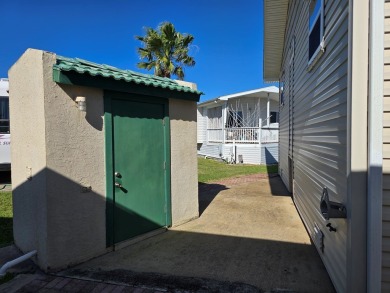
[{"x": 16, "y": 261}]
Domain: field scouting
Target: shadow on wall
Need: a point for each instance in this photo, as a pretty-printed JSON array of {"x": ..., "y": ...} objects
[
  {"x": 62, "y": 219},
  {"x": 269, "y": 157}
]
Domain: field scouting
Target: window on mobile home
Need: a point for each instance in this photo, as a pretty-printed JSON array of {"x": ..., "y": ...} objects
[
  {"x": 235, "y": 119},
  {"x": 4, "y": 115},
  {"x": 316, "y": 28},
  {"x": 274, "y": 117},
  {"x": 281, "y": 90}
]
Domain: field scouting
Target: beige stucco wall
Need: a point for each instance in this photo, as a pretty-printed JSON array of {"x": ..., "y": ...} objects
[
  {"x": 184, "y": 164},
  {"x": 65, "y": 148},
  {"x": 28, "y": 152},
  {"x": 75, "y": 155}
]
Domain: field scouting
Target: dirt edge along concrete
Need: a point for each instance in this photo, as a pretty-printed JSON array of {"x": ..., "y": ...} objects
[{"x": 163, "y": 282}]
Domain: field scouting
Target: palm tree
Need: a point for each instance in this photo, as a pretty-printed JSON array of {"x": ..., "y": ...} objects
[{"x": 165, "y": 51}]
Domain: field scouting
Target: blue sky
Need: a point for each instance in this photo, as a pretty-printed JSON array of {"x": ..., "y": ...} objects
[{"x": 228, "y": 35}]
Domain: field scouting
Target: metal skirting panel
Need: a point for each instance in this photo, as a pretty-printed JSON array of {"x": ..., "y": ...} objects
[
  {"x": 250, "y": 153},
  {"x": 210, "y": 150},
  {"x": 313, "y": 127},
  {"x": 386, "y": 157},
  {"x": 270, "y": 153}
]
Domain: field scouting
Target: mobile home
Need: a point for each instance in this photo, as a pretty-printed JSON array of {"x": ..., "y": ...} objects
[
  {"x": 241, "y": 127},
  {"x": 5, "y": 156},
  {"x": 331, "y": 59}
]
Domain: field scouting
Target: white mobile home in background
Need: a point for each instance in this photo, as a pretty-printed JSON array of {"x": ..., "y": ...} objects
[
  {"x": 241, "y": 128},
  {"x": 5, "y": 155},
  {"x": 332, "y": 59}
]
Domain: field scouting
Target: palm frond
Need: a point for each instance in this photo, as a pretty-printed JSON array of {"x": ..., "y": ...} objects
[{"x": 165, "y": 50}]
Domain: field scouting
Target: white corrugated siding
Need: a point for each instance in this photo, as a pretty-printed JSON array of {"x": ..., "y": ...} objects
[
  {"x": 284, "y": 128},
  {"x": 386, "y": 157},
  {"x": 202, "y": 124},
  {"x": 319, "y": 126}
]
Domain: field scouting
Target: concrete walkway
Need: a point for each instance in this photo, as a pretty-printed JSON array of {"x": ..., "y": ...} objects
[
  {"x": 249, "y": 238},
  {"x": 248, "y": 232}
]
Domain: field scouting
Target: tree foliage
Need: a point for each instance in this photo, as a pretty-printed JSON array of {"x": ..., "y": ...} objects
[{"x": 165, "y": 50}]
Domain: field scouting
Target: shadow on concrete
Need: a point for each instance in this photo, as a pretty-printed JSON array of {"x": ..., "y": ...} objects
[
  {"x": 277, "y": 186},
  {"x": 233, "y": 242},
  {"x": 190, "y": 261},
  {"x": 207, "y": 192}
]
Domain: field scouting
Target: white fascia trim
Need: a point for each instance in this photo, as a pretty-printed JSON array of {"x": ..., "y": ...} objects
[{"x": 269, "y": 89}]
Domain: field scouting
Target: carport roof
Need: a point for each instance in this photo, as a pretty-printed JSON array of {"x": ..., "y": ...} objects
[{"x": 82, "y": 72}]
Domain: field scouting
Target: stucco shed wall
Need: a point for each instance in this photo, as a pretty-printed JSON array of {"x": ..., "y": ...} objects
[
  {"x": 184, "y": 164},
  {"x": 65, "y": 150},
  {"x": 75, "y": 155},
  {"x": 28, "y": 153}
]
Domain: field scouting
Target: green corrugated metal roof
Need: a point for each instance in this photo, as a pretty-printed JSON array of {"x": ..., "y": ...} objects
[{"x": 107, "y": 71}]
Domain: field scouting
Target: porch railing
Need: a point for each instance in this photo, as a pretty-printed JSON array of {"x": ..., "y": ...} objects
[{"x": 243, "y": 135}]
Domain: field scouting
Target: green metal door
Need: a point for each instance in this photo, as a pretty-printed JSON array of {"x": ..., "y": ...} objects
[{"x": 139, "y": 179}]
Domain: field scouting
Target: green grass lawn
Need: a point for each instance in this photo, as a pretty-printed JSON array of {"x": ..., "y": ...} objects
[
  {"x": 6, "y": 237},
  {"x": 211, "y": 170}
]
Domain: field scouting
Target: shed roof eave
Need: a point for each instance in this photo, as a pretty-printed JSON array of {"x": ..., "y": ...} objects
[
  {"x": 82, "y": 72},
  {"x": 275, "y": 20}
]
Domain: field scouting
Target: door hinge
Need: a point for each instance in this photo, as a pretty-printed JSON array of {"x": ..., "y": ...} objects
[
  {"x": 163, "y": 122},
  {"x": 165, "y": 208},
  {"x": 165, "y": 165}
]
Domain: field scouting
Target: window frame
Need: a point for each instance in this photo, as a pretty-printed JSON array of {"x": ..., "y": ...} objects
[
  {"x": 320, "y": 48},
  {"x": 4, "y": 121},
  {"x": 281, "y": 89}
]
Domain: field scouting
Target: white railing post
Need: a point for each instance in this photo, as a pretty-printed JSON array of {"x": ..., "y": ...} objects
[
  {"x": 234, "y": 150},
  {"x": 260, "y": 124}
]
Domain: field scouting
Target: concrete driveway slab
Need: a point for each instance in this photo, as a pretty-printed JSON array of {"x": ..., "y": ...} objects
[{"x": 249, "y": 232}]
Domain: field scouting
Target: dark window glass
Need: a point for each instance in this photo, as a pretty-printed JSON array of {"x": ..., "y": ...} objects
[
  {"x": 4, "y": 115},
  {"x": 315, "y": 38},
  {"x": 281, "y": 90},
  {"x": 274, "y": 117}
]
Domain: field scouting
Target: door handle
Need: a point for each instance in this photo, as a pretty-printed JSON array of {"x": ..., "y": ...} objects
[{"x": 118, "y": 185}]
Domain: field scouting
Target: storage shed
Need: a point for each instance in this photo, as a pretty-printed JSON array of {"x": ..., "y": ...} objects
[{"x": 99, "y": 156}]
